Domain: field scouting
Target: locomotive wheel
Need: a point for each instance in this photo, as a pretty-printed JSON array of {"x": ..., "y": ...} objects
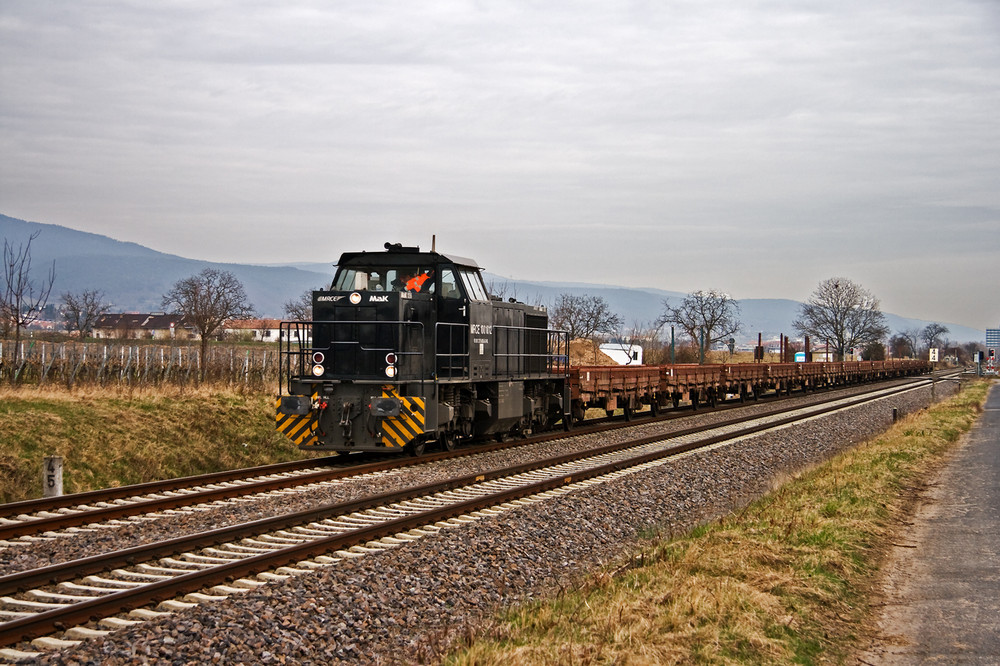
[
  {"x": 416, "y": 447},
  {"x": 447, "y": 442}
]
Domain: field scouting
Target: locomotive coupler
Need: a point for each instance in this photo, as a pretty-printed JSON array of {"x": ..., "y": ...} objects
[{"x": 345, "y": 419}]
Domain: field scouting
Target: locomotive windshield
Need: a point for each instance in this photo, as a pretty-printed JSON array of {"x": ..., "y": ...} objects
[
  {"x": 385, "y": 278},
  {"x": 421, "y": 279}
]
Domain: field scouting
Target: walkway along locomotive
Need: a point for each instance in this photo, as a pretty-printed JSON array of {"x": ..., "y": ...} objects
[{"x": 408, "y": 348}]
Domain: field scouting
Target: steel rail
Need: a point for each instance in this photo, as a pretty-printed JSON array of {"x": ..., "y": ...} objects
[
  {"x": 34, "y": 526},
  {"x": 12, "y": 509},
  {"x": 116, "y": 602}
]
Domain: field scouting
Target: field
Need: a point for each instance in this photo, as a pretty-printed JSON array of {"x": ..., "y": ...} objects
[{"x": 118, "y": 435}]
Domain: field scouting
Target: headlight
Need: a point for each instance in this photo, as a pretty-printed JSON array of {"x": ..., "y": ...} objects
[
  {"x": 384, "y": 406},
  {"x": 390, "y": 358},
  {"x": 318, "y": 357},
  {"x": 390, "y": 372},
  {"x": 318, "y": 370}
]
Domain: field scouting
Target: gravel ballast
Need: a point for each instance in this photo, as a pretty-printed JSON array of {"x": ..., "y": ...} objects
[{"x": 406, "y": 604}]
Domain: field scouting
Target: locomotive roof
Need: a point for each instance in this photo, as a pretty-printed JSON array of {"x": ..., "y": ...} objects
[{"x": 395, "y": 255}]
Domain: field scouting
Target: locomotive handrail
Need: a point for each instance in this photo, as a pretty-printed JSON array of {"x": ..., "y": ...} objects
[
  {"x": 296, "y": 358},
  {"x": 513, "y": 355},
  {"x": 444, "y": 361},
  {"x": 553, "y": 360}
]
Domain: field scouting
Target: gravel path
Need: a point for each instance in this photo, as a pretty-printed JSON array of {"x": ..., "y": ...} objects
[{"x": 406, "y": 604}]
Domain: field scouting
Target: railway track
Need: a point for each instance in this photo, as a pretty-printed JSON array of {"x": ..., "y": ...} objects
[
  {"x": 116, "y": 589},
  {"x": 30, "y": 520}
]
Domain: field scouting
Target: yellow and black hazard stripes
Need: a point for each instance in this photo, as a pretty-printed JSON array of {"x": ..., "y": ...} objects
[
  {"x": 301, "y": 429},
  {"x": 400, "y": 430}
]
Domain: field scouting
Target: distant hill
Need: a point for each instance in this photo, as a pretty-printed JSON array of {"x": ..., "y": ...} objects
[{"x": 134, "y": 278}]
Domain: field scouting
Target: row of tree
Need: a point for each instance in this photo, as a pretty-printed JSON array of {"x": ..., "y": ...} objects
[
  {"x": 840, "y": 313},
  {"x": 206, "y": 300}
]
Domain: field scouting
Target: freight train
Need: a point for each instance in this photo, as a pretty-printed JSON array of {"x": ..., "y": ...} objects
[{"x": 408, "y": 348}]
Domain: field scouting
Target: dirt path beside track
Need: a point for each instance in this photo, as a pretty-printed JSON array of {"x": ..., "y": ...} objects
[{"x": 941, "y": 586}]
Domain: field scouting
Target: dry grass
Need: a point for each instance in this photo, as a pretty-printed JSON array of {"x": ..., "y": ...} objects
[
  {"x": 782, "y": 581},
  {"x": 587, "y": 352},
  {"x": 114, "y": 436}
]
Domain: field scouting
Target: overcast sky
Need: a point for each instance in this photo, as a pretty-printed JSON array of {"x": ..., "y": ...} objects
[{"x": 752, "y": 147}]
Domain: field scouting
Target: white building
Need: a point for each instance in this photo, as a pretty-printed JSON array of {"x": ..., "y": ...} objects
[{"x": 623, "y": 353}]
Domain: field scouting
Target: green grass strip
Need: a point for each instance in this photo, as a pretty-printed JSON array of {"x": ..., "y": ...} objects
[{"x": 111, "y": 438}]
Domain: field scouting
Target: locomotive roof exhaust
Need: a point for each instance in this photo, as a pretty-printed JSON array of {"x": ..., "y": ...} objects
[{"x": 398, "y": 247}]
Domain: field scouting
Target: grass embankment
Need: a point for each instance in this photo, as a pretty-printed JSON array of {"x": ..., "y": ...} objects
[
  {"x": 782, "y": 581},
  {"x": 112, "y": 437}
]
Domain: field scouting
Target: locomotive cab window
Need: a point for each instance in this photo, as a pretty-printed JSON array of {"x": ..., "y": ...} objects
[
  {"x": 401, "y": 278},
  {"x": 474, "y": 284},
  {"x": 360, "y": 279},
  {"x": 414, "y": 279},
  {"x": 449, "y": 284}
]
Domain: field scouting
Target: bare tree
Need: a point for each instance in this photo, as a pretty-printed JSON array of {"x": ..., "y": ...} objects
[
  {"x": 844, "y": 313},
  {"x": 931, "y": 334},
  {"x": 712, "y": 313},
  {"x": 873, "y": 351},
  {"x": 21, "y": 300},
  {"x": 207, "y": 300},
  {"x": 501, "y": 291},
  {"x": 912, "y": 336},
  {"x": 583, "y": 316},
  {"x": 81, "y": 311},
  {"x": 900, "y": 346},
  {"x": 300, "y": 309}
]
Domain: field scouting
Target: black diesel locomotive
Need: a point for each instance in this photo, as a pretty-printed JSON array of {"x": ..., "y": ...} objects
[{"x": 408, "y": 348}]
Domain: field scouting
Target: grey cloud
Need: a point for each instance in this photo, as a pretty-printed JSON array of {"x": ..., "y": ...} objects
[{"x": 678, "y": 142}]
